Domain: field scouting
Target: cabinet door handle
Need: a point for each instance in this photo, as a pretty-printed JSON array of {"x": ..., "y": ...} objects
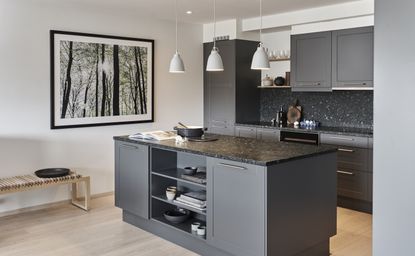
[
  {"x": 342, "y": 138},
  {"x": 346, "y": 173},
  {"x": 354, "y": 84},
  {"x": 232, "y": 166},
  {"x": 346, "y": 150},
  {"x": 129, "y": 146}
]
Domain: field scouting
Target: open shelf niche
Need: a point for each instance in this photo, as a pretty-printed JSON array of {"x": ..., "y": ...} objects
[{"x": 166, "y": 170}]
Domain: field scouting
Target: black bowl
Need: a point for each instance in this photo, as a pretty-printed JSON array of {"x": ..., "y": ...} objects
[
  {"x": 190, "y": 170},
  {"x": 176, "y": 216},
  {"x": 52, "y": 172},
  {"x": 190, "y": 132}
]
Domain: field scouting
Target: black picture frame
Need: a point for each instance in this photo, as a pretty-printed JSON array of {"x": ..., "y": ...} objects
[{"x": 53, "y": 86}]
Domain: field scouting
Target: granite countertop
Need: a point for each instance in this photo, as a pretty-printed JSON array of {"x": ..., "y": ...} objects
[
  {"x": 363, "y": 132},
  {"x": 252, "y": 151}
]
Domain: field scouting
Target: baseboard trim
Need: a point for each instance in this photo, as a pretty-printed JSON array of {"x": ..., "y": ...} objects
[{"x": 48, "y": 205}]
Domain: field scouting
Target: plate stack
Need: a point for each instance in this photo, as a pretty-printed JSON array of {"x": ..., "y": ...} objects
[{"x": 196, "y": 200}]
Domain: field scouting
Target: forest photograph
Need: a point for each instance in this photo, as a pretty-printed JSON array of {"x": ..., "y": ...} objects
[{"x": 101, "y": 81}]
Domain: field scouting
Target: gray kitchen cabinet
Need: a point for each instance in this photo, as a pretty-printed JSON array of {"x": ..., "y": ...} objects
[
  {"x": 268, "y": 134},
  {"x": 352, "y": 65},
  {"x": 354, "y": 170},
  {"x": 219, "y": 92},
  {"x": 132, "y": 178},
  {"x": 236, "y": 213},
  {"x": 311, "y": 62},
  {"x": 246, "y": 132},
  {"x": 229, "y": 96}
]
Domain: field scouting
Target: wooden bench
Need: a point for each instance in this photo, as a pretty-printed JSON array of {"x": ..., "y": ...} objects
[{"x": 29, "y": 182}]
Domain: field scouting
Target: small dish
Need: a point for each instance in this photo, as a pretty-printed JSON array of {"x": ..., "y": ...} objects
[
  {"x": 190, "y": 170},
  {"x": 201, "y": 231}
]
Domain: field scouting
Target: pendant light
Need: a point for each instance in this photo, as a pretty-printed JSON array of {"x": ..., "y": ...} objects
[
  {"x": 214, "y": 62},
  {"x": 176, "y": 63},
  {"x": 260, "y": 60}
]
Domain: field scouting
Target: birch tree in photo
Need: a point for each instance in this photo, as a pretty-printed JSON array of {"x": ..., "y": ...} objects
[
  {"x": 68, "y": 82},
  {"x": 116, "y": 83}
]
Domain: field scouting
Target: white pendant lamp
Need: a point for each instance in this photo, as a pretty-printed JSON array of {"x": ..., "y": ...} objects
[
  {"x": 214, "y": 62},
  {"x": 260, "y": 60},
  {"x": 176, "y": 63}
]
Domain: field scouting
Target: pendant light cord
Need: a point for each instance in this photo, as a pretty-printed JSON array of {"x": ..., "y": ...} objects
[
  {"x": 214, "y": 24},
  {"x": 260, "y": 26},
  {"x": 175, "y": 8}
]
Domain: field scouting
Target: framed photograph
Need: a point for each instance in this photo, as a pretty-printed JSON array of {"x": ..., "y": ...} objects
[{"x": 100, "y": 80}]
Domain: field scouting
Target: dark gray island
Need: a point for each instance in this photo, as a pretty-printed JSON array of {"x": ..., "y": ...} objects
[{"x": 263, "y": 197}]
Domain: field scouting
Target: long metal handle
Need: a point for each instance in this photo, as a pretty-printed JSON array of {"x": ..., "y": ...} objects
[
  {"x": 233, "y": 166},
  {"x": 129, "y": 146},
  {"x": 342, "y": 138},
  {"x": 346, "y": 150},
  {"x": 354, "y": 84},
  {"x": 300, "y": 140},
  {"x": 346, "y": 173}
]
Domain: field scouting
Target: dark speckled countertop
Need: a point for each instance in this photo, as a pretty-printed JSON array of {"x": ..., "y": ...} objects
[
  {"x": 245, "y": 150},
  {"x": 363, "y": 132}
]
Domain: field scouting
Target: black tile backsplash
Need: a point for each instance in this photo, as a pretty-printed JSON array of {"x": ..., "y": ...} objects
[{"x": 337, "y": 108}]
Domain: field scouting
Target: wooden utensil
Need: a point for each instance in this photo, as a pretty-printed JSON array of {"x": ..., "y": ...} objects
[{"x": 294, "y": 113}]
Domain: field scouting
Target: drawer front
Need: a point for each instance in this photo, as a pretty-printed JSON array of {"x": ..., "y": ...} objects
[
  {"x": 247, "y": 132},
  {"x": 343, "y": 140},
  {"x": 353, "y": 184},
  {"x": 353, "y": 158},
  {"x": 268, "y": 134}
]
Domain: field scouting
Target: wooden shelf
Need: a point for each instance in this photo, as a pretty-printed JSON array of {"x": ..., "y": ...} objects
[
  {"x": 274, "y": 87},
  {"x": 176, "y": 174},
  {"x": 163, "y": 198},
  {"x": 275, "y": 60},
  {"x": 184, "y": 226}
]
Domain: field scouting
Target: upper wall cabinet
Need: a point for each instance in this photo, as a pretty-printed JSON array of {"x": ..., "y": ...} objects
[
  {"x": 334, "y": 60},
  {"x": 311, "y": 62},
  {"x": 352, "y": 65}
]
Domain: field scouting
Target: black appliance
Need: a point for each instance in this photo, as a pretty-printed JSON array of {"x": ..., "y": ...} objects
[{"x": 300, "y": 137}]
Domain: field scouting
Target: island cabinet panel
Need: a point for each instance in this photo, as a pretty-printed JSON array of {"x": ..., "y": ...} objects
[
  {"x": 303, "y": 196},
  {"x": 311, "y": 62},
  {"x": 132, "y": 178},
  {"x": 353, "y": 58},
  {"x": 236, "y": 207}
]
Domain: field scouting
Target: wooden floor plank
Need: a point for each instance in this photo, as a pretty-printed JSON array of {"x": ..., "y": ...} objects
[{"x": 66, "y": 230}]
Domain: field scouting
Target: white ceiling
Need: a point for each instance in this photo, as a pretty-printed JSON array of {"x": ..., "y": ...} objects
[{"x": 202, "y": 9}]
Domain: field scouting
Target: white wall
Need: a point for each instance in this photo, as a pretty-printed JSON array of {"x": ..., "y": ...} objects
[
  {"x": 276, "y": 41},
  {"x": 318, "y": 14},
  {"x": 394, "y": 171},
  {"x": 27, "y": 143}
]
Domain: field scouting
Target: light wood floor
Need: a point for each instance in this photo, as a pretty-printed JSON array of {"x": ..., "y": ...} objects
[{"x": 66, "y": 230}]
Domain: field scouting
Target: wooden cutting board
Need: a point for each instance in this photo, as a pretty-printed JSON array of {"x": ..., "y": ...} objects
[{"x": 294, "y": 113}]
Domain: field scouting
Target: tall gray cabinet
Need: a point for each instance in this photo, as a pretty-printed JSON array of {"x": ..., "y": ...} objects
[
  {"x": 333, "y": 60},
  {"x": 132, "y": 178},
  {"x": 231, "y": 96}
]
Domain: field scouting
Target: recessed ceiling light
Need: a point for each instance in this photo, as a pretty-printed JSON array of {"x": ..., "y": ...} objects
[{"x": 189, "y": 12}]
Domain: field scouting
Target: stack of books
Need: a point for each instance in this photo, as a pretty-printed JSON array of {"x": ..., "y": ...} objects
[
  {"x": 196, "y": 200},
  {"x": 199, "y": 177}
]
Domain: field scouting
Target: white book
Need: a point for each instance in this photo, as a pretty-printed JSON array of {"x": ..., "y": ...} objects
[
  {"x": 154, "y": 135},
  {"x": 190, "y": 203}
]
